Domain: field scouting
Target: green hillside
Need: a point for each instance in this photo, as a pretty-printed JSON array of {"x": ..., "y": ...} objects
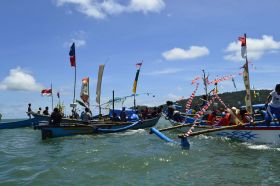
[{"x": 231, "y": 99}]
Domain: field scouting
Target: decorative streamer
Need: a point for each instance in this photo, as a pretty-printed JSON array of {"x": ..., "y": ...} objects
[{"x": 188, "y": 105}]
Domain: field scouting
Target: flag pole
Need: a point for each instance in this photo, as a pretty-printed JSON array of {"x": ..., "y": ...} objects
[
  {"x": 75, "y": 78},
  {"x": 52, "y": 95}
]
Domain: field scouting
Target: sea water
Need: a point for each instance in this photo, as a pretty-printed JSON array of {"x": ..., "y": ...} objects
[{"x": 133, "y": 158}]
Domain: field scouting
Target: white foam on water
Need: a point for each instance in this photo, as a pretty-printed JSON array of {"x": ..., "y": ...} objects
[
  {"x": 131, "y": 132},
  {"x": 260, "y": 146}
]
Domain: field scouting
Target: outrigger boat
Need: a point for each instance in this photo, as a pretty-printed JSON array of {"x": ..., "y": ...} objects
[
  {"x": 96, "y": 127},
  {"x": 255, "y": 131}
]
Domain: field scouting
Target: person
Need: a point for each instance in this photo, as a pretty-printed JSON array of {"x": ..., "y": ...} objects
[
  {"x": 39, "y": 111},
  {"x": 115, "y": 117},
  {"x": 46, "y": 111},
  {"x": 170, "y": 109},
  {"x": 29, "y": 110},
  {"x": 145, "y": 113},
  {"x": 225, "y": 119},
  {"x": 86, "y": 116},
  {"x": 211, "y": 118},
  {"x": 55, "y": 117},
  {"x": 154, "y": 112},
  {"x": 123, "y": 115},
  {"x": 0, "y": 116},
  {"x": 204, "y": 101},
  {"x": 273, "y": 105}
]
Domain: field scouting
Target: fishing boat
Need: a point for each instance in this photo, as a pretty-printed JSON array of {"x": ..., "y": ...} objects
[
  {"x": 19, "y": 124},
  {"x": 97, "y": 127}
]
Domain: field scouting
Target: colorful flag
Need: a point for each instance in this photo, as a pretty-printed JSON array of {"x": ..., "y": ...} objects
[
  {"x": 85, "y": 90},
  {"x": 99, "y": 82},
  {"x": 243, "y": 46},
  {"x": 248, "y": 101},
  {"x": 72, "y": 56},
  {"x": 138, "y": 66},
  {"x": 46, "y": 92}
]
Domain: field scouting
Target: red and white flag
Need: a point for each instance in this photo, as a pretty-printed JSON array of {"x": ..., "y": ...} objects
[
  {"x": 46, "y": 92},
  {"x": 243, "y": 46}
]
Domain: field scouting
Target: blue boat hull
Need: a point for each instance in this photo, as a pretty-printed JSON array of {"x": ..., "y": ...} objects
[
  {"x": 61, "y": 131},
  {"x": 19, "y": 124}
]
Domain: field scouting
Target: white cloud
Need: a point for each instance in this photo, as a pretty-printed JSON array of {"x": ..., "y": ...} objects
[
  {"x": 100, "y": 10},
  {"x": 180, "y": 54},
  {"x": 78, "y": 37},
  {"x": 174, "y": 97},
  {"x": 164, "y": 71},
  {"x": 256, "y": 48},
  {"x": 18, "y": 79}
]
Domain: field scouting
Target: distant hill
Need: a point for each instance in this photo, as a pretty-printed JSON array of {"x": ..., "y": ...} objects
[{"x": 233, "y": 99}]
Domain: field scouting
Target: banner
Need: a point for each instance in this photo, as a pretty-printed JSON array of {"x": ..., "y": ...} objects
[
  {"x": 85, "y": 90},
  {"x": 138, "y": 66},
  {"x": 247, "y": 88},
  {"x": 99, "y": 82}
]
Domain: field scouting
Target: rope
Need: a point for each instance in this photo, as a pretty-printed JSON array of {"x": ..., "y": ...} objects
[{"x": 188, "y": 105}]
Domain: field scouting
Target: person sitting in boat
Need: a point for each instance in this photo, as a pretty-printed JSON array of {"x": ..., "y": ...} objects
[
  {"x": 39, "y": 111},
  {"x": 46, "y": 111},
  {"x": 123, "y": 115},
  {"x": 145, "y": 113},
  {"x": 225, "y": 119},
  {"x": 115, "y": 117},
  {"x": 86, "y": 116},
  {"x": 177, "y": 116},
  {"x": 170, "y": 109},
  {"x": 273, "y": 105},
  {"x": 211, "y": 118},
  {"x": 154, "y": 112},
  {"x": 244, "y": 116},
  {"x": 29, "y": 110},
  {"x": 55, "y": 117}
]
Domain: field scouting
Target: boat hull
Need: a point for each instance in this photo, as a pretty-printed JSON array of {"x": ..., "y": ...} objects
[
  {"x": 19, "y": 124},
  {"x": 81, "y": 129},
  {"x": 260, "y": 133}
]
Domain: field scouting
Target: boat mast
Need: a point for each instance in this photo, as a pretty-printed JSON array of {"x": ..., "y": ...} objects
[{"x": 205, "y": 84}]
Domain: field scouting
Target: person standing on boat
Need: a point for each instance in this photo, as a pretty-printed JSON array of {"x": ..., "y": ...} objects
[
  {"x": 55, "y": 117},
  {"x": 39, "y": 111},
  {"x": 46, "y": 111},
  {"x": 29, "y": 110},
  {"x": 86, "y": 116},
  {"x": 123, "y": 115},
  {"x": 170, "y": 109},
  {"x": 273, "y": 105}
]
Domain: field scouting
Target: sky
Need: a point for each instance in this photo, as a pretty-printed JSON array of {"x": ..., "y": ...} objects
[{"x": 175, "y": 39}]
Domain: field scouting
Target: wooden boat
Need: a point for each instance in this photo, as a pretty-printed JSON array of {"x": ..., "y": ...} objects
[
  {"x": 96, "y": 128},
  {"x": 19, "y": 124}
]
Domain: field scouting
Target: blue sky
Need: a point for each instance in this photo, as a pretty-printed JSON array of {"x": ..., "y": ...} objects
[{"x": 175, "y": 39}]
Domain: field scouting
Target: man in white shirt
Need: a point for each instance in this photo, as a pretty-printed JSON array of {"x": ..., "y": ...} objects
[
  {"x": 87, "y": 116},
  {"x": 273, "y": 105}
]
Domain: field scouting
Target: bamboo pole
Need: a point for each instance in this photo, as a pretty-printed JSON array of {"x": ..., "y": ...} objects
[{"x": 218, "y": 129}]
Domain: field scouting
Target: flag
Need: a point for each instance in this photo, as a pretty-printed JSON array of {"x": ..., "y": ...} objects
[
  {"x": 99, "y": 82},
  {"x": 138, "y": 66},
  {"x": 58, "y": 95},
  {"x": 72, "y": 56},
  {"x": 248, "y": 101},
  {"x": 46, "y": 92},
  {"x": 243, "y": 46},
  {"x": 85, "y": 90}
]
